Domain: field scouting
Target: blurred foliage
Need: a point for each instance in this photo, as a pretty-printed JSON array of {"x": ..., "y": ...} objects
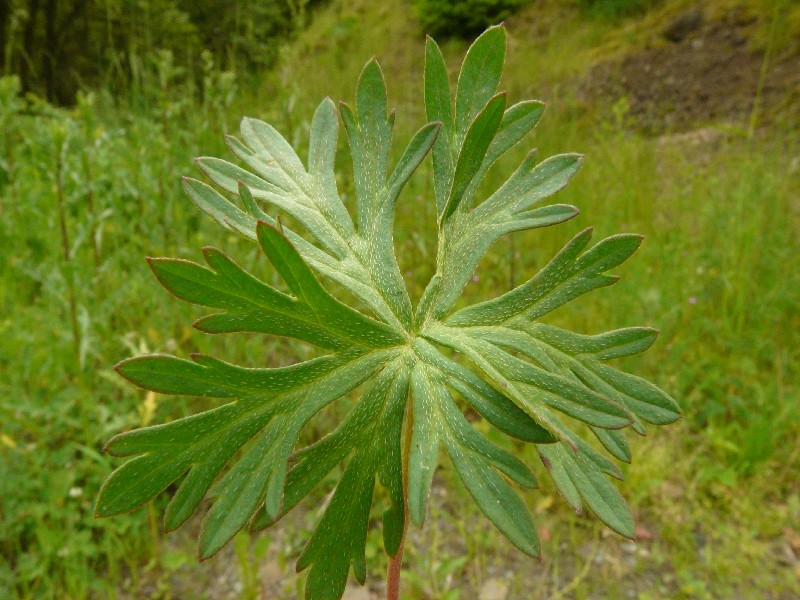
[
  {"x": 463, "y": 18},
  {"x": 58, "y": 47},
  {"x": 614, "y": 9}
]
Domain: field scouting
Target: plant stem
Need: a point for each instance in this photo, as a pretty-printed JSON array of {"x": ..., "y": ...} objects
[
  {"x": 396, "y": 563},
  {"x": 393, "y": 578},
  {"x": 90, "y": 210},
  {"x": 73, "y": 309},
  {"x": 10, "y": 166},
  {"x": 155, "y": 538}
]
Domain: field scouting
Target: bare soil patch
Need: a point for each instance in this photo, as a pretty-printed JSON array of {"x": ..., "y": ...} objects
[{"x": 698, "y": 70}]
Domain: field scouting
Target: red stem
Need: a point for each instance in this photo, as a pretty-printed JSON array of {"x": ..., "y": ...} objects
[{"x": 393, "y": 578}]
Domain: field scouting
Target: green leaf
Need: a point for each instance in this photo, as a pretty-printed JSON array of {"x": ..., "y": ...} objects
[
  {"x": 518, "y": 121},
  {"x": 615, "y": 442},
  {"x": 250, "y": 305},
  {"x": 371, "y": 433},
  {"x": 219, "y": 208},
  {"x": 260, "y": 470},
  {"x": 579, "y": 356},
  {"x": 322, "y": 160},
  {"x": 478, "y": 138},
  {"x": 369, "y": 131},
  {"x": 414, "y": 381},
  {"x": 438, "y": 108},
  {"x": 268, "y": 144},
  {"x": 542, "y": 217},
  {"x": 531, "y": 183},
  {"x": 207, "y": 441},
  {"x": 365, "y": 263},
  {"x": 475, "y": 458},
  {"x": 466, "y": 239},
  {"x": 227, "y": 176},
  {"x": 341, "y": 536},
  {"x": 250, "y": 204},
  {"x": 416, "y": 151},
  {"x": 569, "y": 275},
  {"x": 496, "y": 499},
  {"x": 425, "y": 441},
  {"x": 460, "y": 432},
  {"x": 578, "y": 480},
  {"x": 496, "y": 408},
  {"x": 480, "y": 74}
]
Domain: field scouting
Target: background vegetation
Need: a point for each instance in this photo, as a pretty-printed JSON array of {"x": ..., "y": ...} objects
[{"x": 104, "y": 105}]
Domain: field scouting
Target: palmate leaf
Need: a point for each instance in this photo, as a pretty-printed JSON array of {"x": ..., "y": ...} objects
[{"x": 415, "y": 366}]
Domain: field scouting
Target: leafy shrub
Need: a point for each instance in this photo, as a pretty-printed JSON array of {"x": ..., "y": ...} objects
[
  {"x": 455, "y": 18},
  {"x": 532, "y": 381},
  {"x": 58, "y": 48}
]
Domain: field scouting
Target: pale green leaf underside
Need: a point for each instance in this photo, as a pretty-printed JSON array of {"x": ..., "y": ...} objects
[{"x": 531, "y": 381}]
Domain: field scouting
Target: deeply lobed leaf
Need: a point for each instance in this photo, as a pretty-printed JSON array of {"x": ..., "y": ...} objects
[{"x": 531, "y": 381}]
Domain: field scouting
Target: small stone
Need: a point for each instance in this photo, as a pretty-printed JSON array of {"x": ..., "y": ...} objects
[
  {"x": 630, "y": 547},
  {"x": 494, "y": 589},
  {"x": 353, "y": 592}
]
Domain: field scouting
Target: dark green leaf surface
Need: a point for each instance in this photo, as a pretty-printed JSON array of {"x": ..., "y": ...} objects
[
  {"x": 373, "y": 434},
  {"x": 578, "y": 480},
  {"x": 438, "y": 108},
  {"x": 476, "y": 143},
  {"x": 403, "y": 371}
]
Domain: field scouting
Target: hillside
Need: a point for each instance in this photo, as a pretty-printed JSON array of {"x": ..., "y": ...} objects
[{"x": 681, "y": 64}]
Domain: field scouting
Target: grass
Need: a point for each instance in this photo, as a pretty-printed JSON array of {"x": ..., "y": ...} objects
[{"x": 715, "y": 496}]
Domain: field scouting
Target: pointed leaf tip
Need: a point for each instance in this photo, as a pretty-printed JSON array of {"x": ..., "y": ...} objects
[{"x": 480, "y": 74}]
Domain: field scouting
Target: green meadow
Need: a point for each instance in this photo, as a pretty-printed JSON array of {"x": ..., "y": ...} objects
[{"x": 87, "y": 191}]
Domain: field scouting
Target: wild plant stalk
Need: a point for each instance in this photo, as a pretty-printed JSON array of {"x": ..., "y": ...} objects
[
  {"x": 87, "y": 158},
  {"x": 90, "y": 208},
  {"x": 65, "y": 248},
  {"x": 9, "y": 146},
  {"x": 163, "y": 214},
  {"x": 164, "y": 175}
]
